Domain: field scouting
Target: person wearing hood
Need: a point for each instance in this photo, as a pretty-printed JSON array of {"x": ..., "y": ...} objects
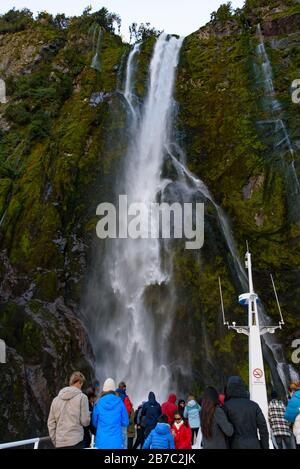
[
  {"x": 169, "y": 408},
  {"x": 246, "y": 417},
  {"x": 121, "y": 391},
  {"x": 139, "y": 427},
  {"x": 69, "y": 414},
  {"x": 160, "y": 437},
  {"x": 109, "y": 416},
  {"x": 292, "y": 413},
  {"x": 150, "y": 412},
  {"x": 192, "y": 413},
  {"x": 123, "y": 395}
]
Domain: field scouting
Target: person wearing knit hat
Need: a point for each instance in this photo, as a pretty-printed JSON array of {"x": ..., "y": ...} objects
[
  {"x": 109, "y": 416},
  {"x": 109, "y": 385}
]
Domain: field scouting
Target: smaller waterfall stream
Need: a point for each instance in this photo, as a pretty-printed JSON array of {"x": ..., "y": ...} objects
[
  {"x": 286, "y": 372},
  {"x": 280, "y": 135},
  {"x": 97, "y": 41},
  {"x": 128, "y": 91},
  {"x": 200, "y": 186},
  {"x": 3, "y": 99}
]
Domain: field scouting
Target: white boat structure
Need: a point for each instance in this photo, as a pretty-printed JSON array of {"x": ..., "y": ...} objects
[{"x": 254, "y": 330}]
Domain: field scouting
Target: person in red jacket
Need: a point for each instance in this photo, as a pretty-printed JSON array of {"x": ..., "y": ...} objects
[
  {"x": 122, "y": 393},
  {"x": 181, "y": 432},
  {"x": 168, "y": 408}
]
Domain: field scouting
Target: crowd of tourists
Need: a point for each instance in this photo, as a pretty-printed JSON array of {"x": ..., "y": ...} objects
[{"x": 222, "y": 421}]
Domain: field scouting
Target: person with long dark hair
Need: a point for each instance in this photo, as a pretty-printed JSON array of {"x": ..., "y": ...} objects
[
  {"x": 181, "y": 406},
  {"x": 215, "y": 426}
]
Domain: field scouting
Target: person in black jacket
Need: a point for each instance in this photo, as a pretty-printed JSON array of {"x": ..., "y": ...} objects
[
  {"x": 246, "y": 417},
  {"x": 140, "y": 438},
  {"x": 150, "y": 412},
  {"x": 90, "y": 429}
]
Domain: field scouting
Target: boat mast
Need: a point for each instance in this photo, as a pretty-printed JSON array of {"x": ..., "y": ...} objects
[{"x": 257, "y": 380}]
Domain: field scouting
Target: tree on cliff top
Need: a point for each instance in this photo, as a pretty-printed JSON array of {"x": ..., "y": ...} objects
[
  {"x": 223, "y": 14},
  {"x": 15, "y": 20},
  {"x": 142, "y": 32}
]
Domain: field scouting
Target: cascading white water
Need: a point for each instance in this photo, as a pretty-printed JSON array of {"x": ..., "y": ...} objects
[
  {"x": 2, "y": 91},
  {"x": 200, "y": 186},
  {"x": 96, "y": 48},
  {"x": 136, "y": 341},
  {"x": 128, "y": 91},
  {"x": 280, "y": 134}
]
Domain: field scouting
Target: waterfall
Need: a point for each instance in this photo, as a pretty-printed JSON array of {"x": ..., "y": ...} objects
[
  {"x": 280, "y": 135},
  {"x": 131, "y": 301},
  {"x": 129, "y": 334},
  {"x": 2, "y": 92},
  {"x": 128, "y": 91},
  {"x": 96, "y": 48},
  {"x": 200, "y": 186}
]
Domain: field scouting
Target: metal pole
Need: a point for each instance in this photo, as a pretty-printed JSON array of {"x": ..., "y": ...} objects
[
  {"x": 278, "y": 304},
  {"x": 36, "y": 444},
  {"x": 222, "y": 304}
]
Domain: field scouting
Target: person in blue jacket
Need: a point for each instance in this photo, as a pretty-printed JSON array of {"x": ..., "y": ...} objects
[
  {"x": 109, "y": 416},
  {"x": 292, "y": 413},
  {"x": 161, "y": 437},
  {"x": 151, "y": 410},
  {"x": 192, "y": 413}
]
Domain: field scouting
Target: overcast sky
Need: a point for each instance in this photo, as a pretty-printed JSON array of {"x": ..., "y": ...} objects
[{"x": 174, "y": 16}]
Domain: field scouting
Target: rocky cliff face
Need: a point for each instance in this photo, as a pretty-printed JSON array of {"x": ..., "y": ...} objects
[
  {"x": 53, "y": 158},
  {"x": 61, "y": 142}
]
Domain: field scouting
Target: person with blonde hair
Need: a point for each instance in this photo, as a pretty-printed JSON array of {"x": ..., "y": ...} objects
[
  {"x": 69, "y": 413},
  {"x": 192, "y": 414},
  {"x": 292, "y": 413}
]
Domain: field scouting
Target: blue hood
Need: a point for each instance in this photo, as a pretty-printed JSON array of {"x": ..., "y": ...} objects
[
  {"x": 162, "y": 428},
  {"x": 192, "y": 404},
  {"x": 297, "y": 394},
  {"x": 109, "y": 401}
]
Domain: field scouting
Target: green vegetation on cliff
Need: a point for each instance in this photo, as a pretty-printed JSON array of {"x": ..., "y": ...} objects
[{"x": 62, "y": 142}]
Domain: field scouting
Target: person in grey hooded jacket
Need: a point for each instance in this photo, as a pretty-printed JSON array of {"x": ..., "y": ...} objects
[{"x": 69, "y": 413}]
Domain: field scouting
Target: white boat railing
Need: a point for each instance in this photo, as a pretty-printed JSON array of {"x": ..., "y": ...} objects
[{"x": 32, "y": 441}]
